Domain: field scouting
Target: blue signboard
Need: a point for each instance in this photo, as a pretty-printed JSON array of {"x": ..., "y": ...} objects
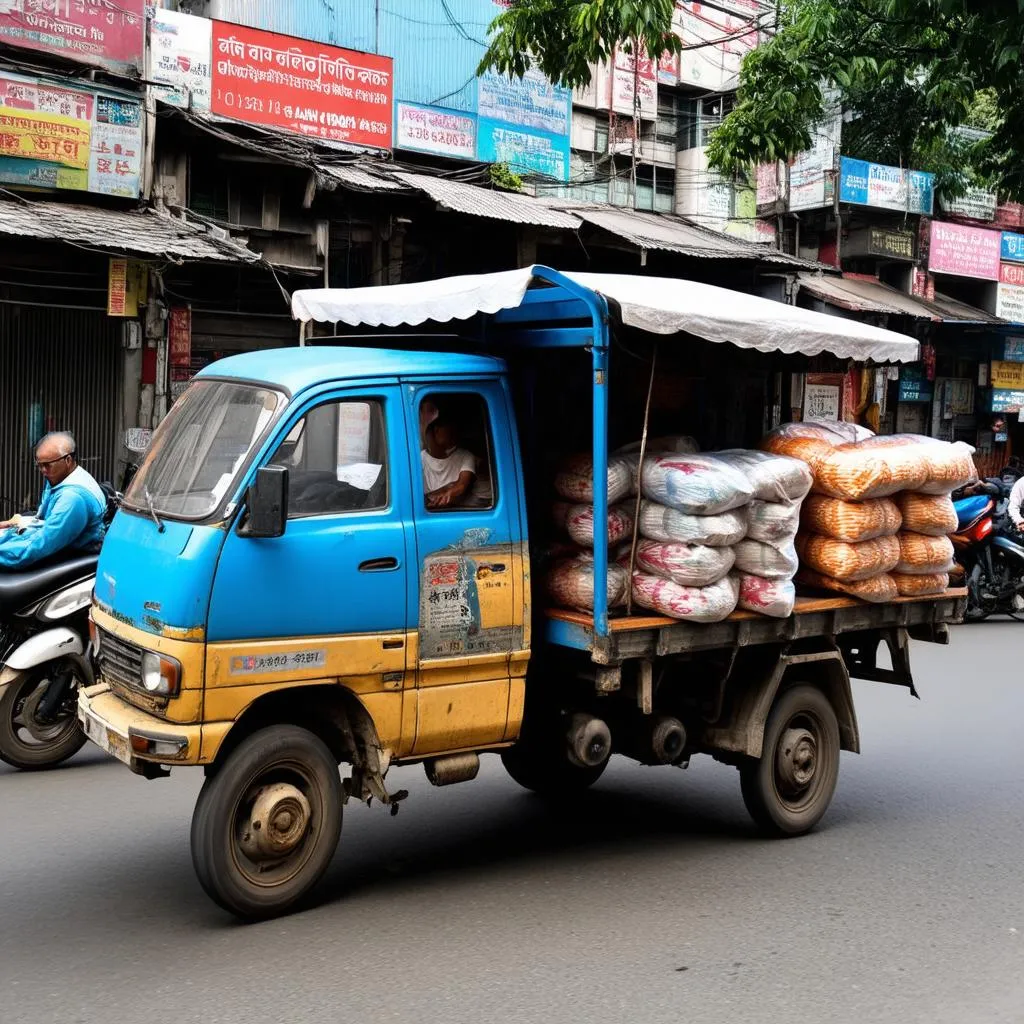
[
  {"x": 524, "y": 150},
  {"x": 1012, "y": 247},
  {"x": 914, "y": 386},
  {"x": 1013, "y": 350},
  {"x": 889, "y": 188},
  {"x": 1004, "y": 400}
]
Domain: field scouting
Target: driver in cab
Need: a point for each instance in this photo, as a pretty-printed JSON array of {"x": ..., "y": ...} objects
[
  {"x": 448, "y": 470},
  {"x": 70, "y": 514}
]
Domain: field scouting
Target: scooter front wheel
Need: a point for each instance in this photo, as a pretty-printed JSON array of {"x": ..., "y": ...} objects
[{"x": 26, "y": 741}]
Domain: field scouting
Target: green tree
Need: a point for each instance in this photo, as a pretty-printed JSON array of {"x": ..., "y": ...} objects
[{"x": 909, "y": 72}]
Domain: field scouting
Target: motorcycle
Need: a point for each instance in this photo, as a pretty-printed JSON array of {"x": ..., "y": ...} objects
[
  {"x": 991, "y": 552},
  {"x": 44, "y": 631}
]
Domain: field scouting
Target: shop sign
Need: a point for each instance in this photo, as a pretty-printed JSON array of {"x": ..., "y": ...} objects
[
  {"x": 525, "y": 151},
  {"x": 964, "y": 251},
  {"x": 914, "y": 386},
  {"x": 812, "y": 173},
  {"x": 975, "y": 204},
  {"x": 1010, "y": 303},
  {"x": 54, "y": 136},
  {"x": 1013, "y": 350},
  {"x": 180, "y": 53},
  {"x": 628, "y": 79},
  {"x": 889, "y": 188},
  {"x": 771, "y": 184},
  {"x": 528, "y": 102},
  {"x": 1007, "y": 401},
  {"x": 126, "y": 287},
  {"x": 1007, "y": 375},
  {"x": 301, "y": 86},
  {"x": 430, "y": 130},
  {"x": 179, "y": 338},
  {"x": 823, "y": 396},
  {"x": 886, "y": 242},
  {"x": 715, "y": 41},
  {"x": 1012, "y": 247},
  {"x": 100, "y": 33}
]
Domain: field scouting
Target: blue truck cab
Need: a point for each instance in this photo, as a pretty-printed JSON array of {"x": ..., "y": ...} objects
[{"x": 325, "y": 560}]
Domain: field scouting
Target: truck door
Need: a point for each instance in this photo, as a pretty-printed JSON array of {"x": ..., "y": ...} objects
[
  {"x": 470, "y": 567},
  {"x": 328, "y": 599}
]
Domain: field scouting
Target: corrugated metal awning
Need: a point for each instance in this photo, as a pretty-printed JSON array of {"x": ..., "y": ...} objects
[
  {"x": 485, "y": 202},
  {"x": 668, "y": 233},
  {"x": 140, "y": 233},
  {"x": 867, "y": 296},
  {"x": 360, "y": 177}
]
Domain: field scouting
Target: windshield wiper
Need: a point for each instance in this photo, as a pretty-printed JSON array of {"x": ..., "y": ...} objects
[{"x": 152, "y": 510}]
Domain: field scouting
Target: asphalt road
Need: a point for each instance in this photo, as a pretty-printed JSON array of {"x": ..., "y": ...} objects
[{"x": 650, "y": 901}]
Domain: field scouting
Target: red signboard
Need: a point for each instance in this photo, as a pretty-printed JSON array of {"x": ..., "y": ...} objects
[
  {"x": 1011, "y": 273},
  {"x": 105, "y": 33},
  {"x": 179, "y": 336},
  {"x": 301, "y": 86}
]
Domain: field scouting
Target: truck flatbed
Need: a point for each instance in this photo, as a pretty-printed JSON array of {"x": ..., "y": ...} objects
[{"x": 649, "y": 636}]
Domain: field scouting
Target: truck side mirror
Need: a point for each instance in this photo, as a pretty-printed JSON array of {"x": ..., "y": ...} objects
[{"x": 267, "y": 503}]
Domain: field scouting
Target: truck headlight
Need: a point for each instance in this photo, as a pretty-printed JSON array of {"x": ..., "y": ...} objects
[{"x": 160, "y": 674}]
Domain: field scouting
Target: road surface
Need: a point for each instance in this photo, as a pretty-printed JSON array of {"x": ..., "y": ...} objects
[{"x": 651, "y": 901}]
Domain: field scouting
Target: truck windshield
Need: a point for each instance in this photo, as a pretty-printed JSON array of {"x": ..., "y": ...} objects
[{"x": 200, "y": 446}]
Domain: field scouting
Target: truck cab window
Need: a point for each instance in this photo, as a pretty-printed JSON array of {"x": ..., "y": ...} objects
[
  {"x": 457, "y": 456},
  {"x": 337, "y": 460}
]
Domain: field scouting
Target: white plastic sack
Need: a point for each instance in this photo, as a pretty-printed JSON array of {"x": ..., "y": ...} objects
[
  {"x": 579, "y": 523},
  {"x": 570, "y": 584},
  {"x": 575, "y": 480},
  {"x": 773, "y": 477},
  {"x": 773, "y": 522},
  {"x": 770, "y": 561},
  {"x": 690, "y": 565},
  {"x": 767, "y": 597},
  {"x": 691, "y": 604},
  {"x": 659, "y": 522},
  {"x": 696, "y": 484}
]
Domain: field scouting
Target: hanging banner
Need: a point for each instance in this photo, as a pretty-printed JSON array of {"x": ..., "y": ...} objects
[
  {"x": 963, "y": 251},
  {"x": 300, "y": 86},
  {"x": 888, "y": 188},
  {"x": 180, "y": 54},
  {"x": 52, "y": 136},
  {"x": 117, "y": 288},
  {"x": 101, "y": 33},
  {"x": 179, "y": 337},
  {"x": 430, "y": 130}
]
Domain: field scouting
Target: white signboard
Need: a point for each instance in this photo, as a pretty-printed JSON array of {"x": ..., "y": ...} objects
[
  {"x": 975, "y": 203},
  {"x": 1010, "y": 302},
  {"x": 180, "y": 54},
  {"x": 821, "y": 402},
  {"x": 430, "y": 130}
]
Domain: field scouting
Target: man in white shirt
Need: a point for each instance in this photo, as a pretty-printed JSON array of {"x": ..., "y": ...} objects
[
  {"x": 448, "y": 470},
  {"x": 1013, "y": 507}
]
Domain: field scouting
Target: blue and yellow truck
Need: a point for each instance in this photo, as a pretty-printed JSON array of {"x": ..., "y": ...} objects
[{"x": 282, "y": 592}]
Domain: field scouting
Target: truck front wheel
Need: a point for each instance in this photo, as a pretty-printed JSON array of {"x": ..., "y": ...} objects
[
  {"x": 788, "y": 789},
  {"x": 266, "y": 824}
]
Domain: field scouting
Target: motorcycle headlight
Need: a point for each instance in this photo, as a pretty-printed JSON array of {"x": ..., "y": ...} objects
[
  {"x": 67, "y": 602},
  {"x": 160, "y": 674}
]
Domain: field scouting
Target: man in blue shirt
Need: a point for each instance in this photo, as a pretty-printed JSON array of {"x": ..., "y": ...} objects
[{"x": 70, "y": 514}]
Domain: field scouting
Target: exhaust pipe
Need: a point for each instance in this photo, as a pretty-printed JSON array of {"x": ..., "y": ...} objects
[
  {"x": 589, "y": 741},
  {"x": 446, "y": 771}
]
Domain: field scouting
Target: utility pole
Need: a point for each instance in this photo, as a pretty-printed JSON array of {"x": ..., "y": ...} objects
[{"x": 636, "y": 113}]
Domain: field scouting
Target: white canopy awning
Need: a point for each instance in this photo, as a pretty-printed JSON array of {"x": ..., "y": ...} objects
[{"x": 660, "y": 305}]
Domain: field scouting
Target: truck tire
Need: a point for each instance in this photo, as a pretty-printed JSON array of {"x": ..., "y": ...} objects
[
  {"x": 788, "y": 789},
  {"x": 267, "y": 822},
  {"x": 545, "y": 769}
]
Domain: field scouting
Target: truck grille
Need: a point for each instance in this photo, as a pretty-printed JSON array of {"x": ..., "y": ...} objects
[{"x": 119, "y": 661}]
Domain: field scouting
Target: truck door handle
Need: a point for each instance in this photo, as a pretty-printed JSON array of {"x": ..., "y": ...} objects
[{"x": 378, "y": 565}]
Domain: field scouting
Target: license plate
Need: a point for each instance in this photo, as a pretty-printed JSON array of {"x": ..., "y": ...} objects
[{"x": 112, "y": 742}]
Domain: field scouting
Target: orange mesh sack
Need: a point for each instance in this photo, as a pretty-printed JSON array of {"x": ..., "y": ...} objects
[
  {"x": 854, "y": 473},
  {"x": 878, "y": 589},
  {"x": 851, "y": 521},
  {"x": 659, "y": 522},
  {"x": 923, "y": 463},
  {"x": 921, "y": 586},
  {"x": 922, "y": 556},
  {"x": 570, "y": 584},
  {"x": 812, "y": 450},
  {"x": 848, "y": 562},
  {"x": 579, "y": 522},
  {"x": 690, "y": 565},
  {"x": 575, "y": 479},
  {"x": 692, "y": 604},
  {"x": 931, "y": 514}
]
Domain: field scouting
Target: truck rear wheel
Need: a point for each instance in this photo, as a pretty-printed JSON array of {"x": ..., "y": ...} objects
[
  {"x": 545, "y": 769},
  {"x": 266, "y": 824},
  {"x": 788, "y": 789}
]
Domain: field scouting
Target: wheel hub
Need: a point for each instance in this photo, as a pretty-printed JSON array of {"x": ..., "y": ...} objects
[
  {"x": 796, "y": 759},
  {"x": 278, "y": 823},
  {"x": 40, "y": 731}
]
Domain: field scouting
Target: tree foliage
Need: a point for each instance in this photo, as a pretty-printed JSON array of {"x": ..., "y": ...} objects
[
  {"x": 565, "y": 37},
  {"x": 909, "y": 72}
]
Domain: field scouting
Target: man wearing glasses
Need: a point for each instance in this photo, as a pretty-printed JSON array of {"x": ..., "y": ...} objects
[{"x": 70, "y": 514}]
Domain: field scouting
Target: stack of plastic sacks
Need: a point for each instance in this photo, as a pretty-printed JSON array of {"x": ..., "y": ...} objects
[{"x": 854, "y": 538}]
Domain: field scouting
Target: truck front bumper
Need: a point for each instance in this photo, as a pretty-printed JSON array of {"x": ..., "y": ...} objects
[{"x": 141, "y": 741}]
